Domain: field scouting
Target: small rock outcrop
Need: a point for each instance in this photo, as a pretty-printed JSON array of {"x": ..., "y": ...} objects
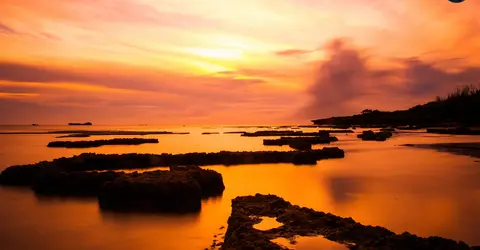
[
  {"x": 265, "y": 133},
  {"x": 301, "y": 221},
  {"x": 369, "y": 135},
  {"x": 98, "y": 143},
  {"x": 300, "y": 145}
]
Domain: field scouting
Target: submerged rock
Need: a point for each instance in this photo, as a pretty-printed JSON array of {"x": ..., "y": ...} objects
[
  {"x": 369, "y": 135},
  {"x": 301, "y": 221},
  {"x": 98, "y": 143}
]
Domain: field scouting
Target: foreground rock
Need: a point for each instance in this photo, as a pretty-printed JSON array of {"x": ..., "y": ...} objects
[
  {"x": 179, "y": 190},
  {"x": 98, "y": 143},
  {"x": 369, "y": 135},
  {"x": 301, "y": 221},
  {"x": 465, "y": 148},
  {"x": 293, "y": 133}
]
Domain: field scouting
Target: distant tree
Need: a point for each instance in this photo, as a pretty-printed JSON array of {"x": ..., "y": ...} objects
[{"x": 366, "y": 111}]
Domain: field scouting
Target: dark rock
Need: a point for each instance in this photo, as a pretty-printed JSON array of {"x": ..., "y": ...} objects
[
  {"x": 55, "y": 183},
  {"x": 293, "y": 133},
  {"x": 24, "y": 174},
  {"x": 98, "y": 143},
  {"x": 210, "y": 133},
  {"x": 310, "y": 139},
  {"x": 300, "y": 145},
  {"x": 369, "y": 135},
  {"x": 80, "y": 124},
  {"x": 301, "y": 221},
  {"x": 454, "y": 131}
]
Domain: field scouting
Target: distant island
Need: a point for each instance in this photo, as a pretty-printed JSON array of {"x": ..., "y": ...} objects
[
  {"x": 80, "y": 124},
  {"x": 459, "y": 108}
]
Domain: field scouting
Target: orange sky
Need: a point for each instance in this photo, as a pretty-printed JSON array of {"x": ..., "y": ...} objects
[{"x": 228, "y": 62}]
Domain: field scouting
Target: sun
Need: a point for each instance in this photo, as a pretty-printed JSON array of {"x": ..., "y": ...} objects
[{"x": 226, "y": 54}]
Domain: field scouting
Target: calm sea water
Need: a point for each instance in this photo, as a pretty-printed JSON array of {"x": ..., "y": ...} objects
[{"x": 379, "y": 183}]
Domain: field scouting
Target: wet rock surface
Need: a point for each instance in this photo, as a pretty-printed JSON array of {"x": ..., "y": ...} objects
[
  {"x": 300, "y": 145},
  {"x": 98, "y": 143},
  {"x": 369, "y": 135},
  {"x": 301, "y": 221}
]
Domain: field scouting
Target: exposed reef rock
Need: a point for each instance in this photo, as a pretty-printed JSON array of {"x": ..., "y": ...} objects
[
  {"x": 80, "y": 124},
  {"x": 178, "y": 190},
  {"x": 312, "y": 140},
  {"x": 210, "y": 133},
  {"x": 234, "y": 132},
  {"x": 369, "y": 135},
  {"x": 300, "y": 145},
  {"x": 293, "y": 133},
  {"x": 98, "y": 143},
  {"x": 454, "y": 131},
  {"x": 73, "y": 136},
  {"x": 53, "y": 182},
  {"x": 91, "y": 161},
  {"x": 301, "y": 221}
]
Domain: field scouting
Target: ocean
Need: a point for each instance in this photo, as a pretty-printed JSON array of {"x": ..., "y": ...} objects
[{"x": 421, "y": 191}]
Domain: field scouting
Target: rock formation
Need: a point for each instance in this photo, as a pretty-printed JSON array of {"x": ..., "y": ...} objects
[
  {"x": 98, "y": 143},
  {"x": 301, "y": 221}
]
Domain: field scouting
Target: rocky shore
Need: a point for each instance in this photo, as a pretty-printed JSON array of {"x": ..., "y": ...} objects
[
  {"x": 369, "y": 135},
  {"x": 454, "y": 131},
  {"x": 98, "y": 143},
  {"x": 300, "y": 221},
  {"x": 465, "y": 148}
]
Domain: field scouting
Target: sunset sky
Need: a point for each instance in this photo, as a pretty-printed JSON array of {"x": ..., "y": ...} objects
[{"x": 229, "y": 62}]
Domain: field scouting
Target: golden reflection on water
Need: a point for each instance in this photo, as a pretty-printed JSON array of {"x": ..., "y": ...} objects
[{"x": 378, "y": 183}]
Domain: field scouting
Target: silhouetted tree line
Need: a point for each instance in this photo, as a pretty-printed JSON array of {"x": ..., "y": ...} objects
[{"x": 459, "y": 108}]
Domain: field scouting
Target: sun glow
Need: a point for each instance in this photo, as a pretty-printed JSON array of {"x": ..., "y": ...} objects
[{"x": 229, "y": 54}]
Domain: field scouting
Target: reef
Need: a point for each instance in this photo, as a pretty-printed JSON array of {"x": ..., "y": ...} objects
[
  {"x": 301, "y": 221},
  {"x": 98, "y": 143},
  {"x": 27, "y": 175},
  {"x": 86, "y": 133},
  {"x": 179, "y": 190},
  {"x": 74, "y": 136},
  {"x": 369, "y": 135},
  {"x": 293, "y": 133},
  {"x": 80, "y": 124},
  {"x": 210, "y": 133},
  {"x": 300, "y": 145}
]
